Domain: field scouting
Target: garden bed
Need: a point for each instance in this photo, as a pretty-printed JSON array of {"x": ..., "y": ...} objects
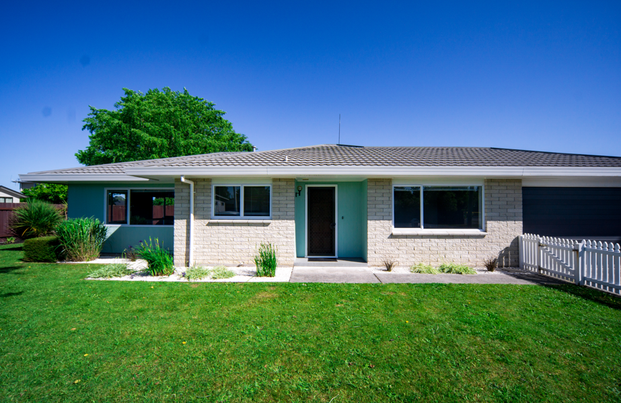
[{"x": 242, "y": 274}]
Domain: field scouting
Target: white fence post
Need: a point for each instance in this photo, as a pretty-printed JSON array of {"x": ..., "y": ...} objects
[
  {"x": 539, "y": 252},
  {"x": 579, "y": 264},
  {"x": 521, "y": 251}
]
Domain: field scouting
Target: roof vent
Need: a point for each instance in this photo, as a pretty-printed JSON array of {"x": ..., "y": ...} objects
[
  {"x": 286, "y": 158},
  {"x": 254, "y": 149}
]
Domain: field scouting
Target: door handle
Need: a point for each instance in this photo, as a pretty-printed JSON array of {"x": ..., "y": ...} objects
[{"x": 333, "y": 225}]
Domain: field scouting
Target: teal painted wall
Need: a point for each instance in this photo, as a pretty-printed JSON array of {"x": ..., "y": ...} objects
[
  {"x": 300, "y": 220},
  {"x": 352, "y": 201},
  {"x": 88, "y": 200}
]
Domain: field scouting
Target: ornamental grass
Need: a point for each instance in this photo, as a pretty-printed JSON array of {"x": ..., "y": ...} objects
[
  {"x": 160, "y": 260},
  {"x": 266, "y": 260},
  {"x": 81, "y": 239}
]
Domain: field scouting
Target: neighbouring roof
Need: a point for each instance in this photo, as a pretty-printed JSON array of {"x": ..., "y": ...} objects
[{"x": 11, "y": 192}]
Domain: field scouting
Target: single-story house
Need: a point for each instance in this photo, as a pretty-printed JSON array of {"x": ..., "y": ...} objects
[
  {"x": 409, "y": 204},
  {"x": 8, "y": 195}
]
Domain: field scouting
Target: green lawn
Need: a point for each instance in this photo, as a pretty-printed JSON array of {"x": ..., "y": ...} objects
[{"x": 66, "y": 339}]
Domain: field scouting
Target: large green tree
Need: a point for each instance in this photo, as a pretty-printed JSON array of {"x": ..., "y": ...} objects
[
  {"x": 49, "y": 192},
  {"x": 157, "y": 124}
]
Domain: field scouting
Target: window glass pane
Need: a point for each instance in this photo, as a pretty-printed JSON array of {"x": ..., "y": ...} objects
[
  {"x": 152, "y": 207},
  {"x": 256, "y": 201},
  {"x": 117, "y": 207},
  {"x": 407, "y": 207},
  {"x": 452, "y": 207},
  {"x": 226, "y": 201}
]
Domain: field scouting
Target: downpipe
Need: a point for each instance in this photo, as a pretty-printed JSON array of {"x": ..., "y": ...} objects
[{"x": 191, "y": 240}]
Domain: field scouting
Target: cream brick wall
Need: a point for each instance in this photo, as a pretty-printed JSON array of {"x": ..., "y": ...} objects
[
  {"x": 503, "y": 215},
  {"x": 216, "y": 242}
]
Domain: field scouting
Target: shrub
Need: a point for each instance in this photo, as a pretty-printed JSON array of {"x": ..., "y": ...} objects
[
  {"x": 81, "y": 239},
  {"x": 130, "y": 253},
  {"x": 491, "y": 264},
  {"x": 160, "y": 260},
  {"x": 111, "y": 270},
  {"x": 197, "y": 273},
  {"x": 424, "y": 269},
  {"x": 42, "y": 249},
  {"x": 37, "y": 218},
  {"x": 10, "y": 240},
  {"x": 453, "y": 268},
  {"x": 221, "y": 272},
  {"x": 266, "y": 260},
  {"x": 389, "y": 264}
]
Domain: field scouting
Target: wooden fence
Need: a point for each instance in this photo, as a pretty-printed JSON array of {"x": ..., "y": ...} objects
[
  {"x": 6, "y": 212},
  {"x": 589, "y": 263}
]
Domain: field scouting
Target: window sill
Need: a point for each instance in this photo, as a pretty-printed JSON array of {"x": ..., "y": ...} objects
[
  {"x": 417, "y": 231},
  {"x": 217, "y": 221}
]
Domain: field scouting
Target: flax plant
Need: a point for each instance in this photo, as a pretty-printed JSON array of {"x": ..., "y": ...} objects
[{"x": 37, "y": 218}]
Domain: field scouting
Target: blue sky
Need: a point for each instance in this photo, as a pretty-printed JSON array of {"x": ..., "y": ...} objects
[{"x": 528, "y": 75}]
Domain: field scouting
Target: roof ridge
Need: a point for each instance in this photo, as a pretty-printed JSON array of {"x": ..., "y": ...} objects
[
  {"x": 554, "y": 152},
  {"x": 291, "y": 148}
]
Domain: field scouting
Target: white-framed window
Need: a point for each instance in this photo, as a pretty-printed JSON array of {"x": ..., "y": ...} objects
[
  {"x": 438, "y": 207},
  {"x": 242, "y": 201},
  {"x": 140, "y": 206},
  {"x": 6, "y": 200}
]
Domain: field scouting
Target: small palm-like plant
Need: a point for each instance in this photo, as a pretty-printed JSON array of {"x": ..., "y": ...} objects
[
  {"x": 37, "y": 218},
  {"x": 491, "y": 264},
  {"x": 389, "y": 264}
]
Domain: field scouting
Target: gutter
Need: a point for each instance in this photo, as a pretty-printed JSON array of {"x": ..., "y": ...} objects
[
  {"x": 191, "y": 254},
  {"x": 90, "y": 177},
  {"x": 378, "y": 171}
]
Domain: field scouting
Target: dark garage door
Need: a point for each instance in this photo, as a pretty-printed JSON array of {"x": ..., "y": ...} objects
[{"x": 593, "y": 213}]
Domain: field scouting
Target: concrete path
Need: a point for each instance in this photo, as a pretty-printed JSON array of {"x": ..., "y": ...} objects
[
  {"x": 302, "y": 274},
  {"x": 369, "y": 275}
]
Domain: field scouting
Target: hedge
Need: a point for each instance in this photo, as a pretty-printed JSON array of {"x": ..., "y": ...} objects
[{"x": 42, "y": 249}]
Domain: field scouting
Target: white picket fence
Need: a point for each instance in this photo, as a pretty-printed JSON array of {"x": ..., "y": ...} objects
[{"x": 590, "y": 263}]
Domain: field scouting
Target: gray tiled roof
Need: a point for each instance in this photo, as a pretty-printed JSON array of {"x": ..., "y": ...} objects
[
  {"x": 338, "y": 155},
  {"x": 341, "y": 155}
]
